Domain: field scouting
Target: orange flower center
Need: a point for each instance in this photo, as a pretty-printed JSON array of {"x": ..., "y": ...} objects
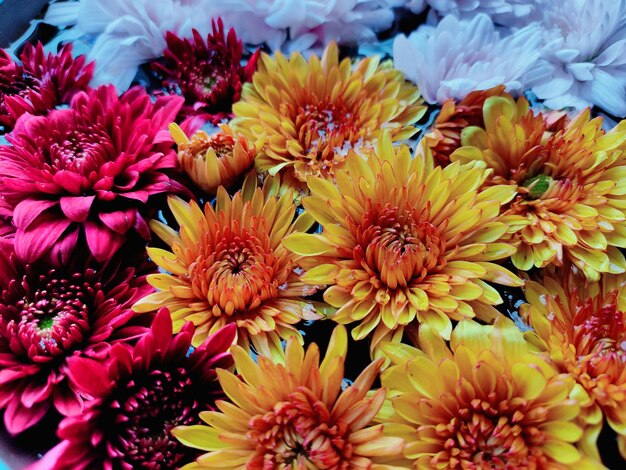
[
  {"x": 326, "y": 132},
  {"x": 299, "y": 432},
  {"x": 599, "y": 334},
  {"x": 490, "y": 434},
  {"x": 221, "y": 143},
  {"x": 236, "y": 269},
  {"x": 398, "y": 245}
]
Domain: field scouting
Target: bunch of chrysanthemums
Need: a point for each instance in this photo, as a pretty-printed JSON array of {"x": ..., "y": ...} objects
[{"x": 181, "y": 204}]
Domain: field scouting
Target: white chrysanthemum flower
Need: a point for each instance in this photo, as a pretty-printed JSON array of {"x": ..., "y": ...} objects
[
  {"x": 504, "y": 12},
  {"x": 584, "y": 60},
  {"x": 129, "y": 33},
  {"x": 459, "y": 56},
  {"x": 304, "y": 25}
]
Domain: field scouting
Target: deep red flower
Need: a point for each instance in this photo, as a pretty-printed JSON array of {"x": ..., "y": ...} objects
[
  {"x": 139, "y": 397},
  {"x": 207, "y": 73},
  {"x": 49, "y": 315},
  {"x": 87, "y": 171},
  {"x": 40, "y": 83}
]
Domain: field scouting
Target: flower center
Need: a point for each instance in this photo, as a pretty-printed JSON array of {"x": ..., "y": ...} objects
[
  {"x": 298, "y": 434},
  {"x": 145, "y": 414},
  {"x": 80, "y": 150},
  {"x": 240, "y": 271},
  {"x": 327, "y": 131},
  {"x": 487, "y": 435},
  {"x": 222, "y": 144},
  {"x": 599, "y": 333},
  {"x": 398, "y": 246},
  {"x": 51, "y": 318},
  {"x": 537, "y": 186}
]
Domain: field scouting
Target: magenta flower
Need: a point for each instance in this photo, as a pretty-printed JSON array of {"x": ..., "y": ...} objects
[
  {"x": 40, "y": 83},
  {"x": 139, "y": 397},
  {"x": 87, "y": 171},
  {"x": 49, "y": 315},
  {"x": 208, "y": 73}
]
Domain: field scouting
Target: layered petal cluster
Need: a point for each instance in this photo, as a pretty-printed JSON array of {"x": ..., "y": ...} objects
[
  {"x": 311, "y": 114},
  {"x": 208, "y": 73},
  {"x": 483, "y": 402},
  {"x": 227, "y": 265},
  {"x": 458, "y": 56},
  {"x": 86, "y": 173},
  {"x": 139, "y": 396},
  {"x": 49, "y": 315},
  {"x": 583, "y": 61},
  {"x": 569, "y": 184},
  {"x": 215, "y": 160},
  {"x": 582, "y": 329},
  {"x": 40, "y": 82},
  {"x": 405, "y": 242},
  {"x": 444, "y": 136},
  {"x": 293, "y": 415}
]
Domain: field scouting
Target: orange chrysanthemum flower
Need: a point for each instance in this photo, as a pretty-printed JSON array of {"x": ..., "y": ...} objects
[
  {"x": 227, "y": 264},
  {"x": 213, "y": 161},
  {"x": 485, "y": 402},
  {"x": 310, "y": 114},
  {"x": 403, "y": 239},
  {"x": 582, "y": 328},
  {"x": 293, "y": 416},
  {"x": 444, "y": 136},
  {"x": 570, "y": 185}
]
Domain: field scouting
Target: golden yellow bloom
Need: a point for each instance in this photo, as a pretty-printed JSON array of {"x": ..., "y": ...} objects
[
  {"x": 293, "y": 416},
  {"x": 227, "y": 264},
  {"x": 310, "y": 114},
  {"x": 403, "y": 239},
  {"x": 485, "y": 402},
  {"x": 582, "y": 328},
  {"x": 217, "y": 160},
  {"x": 570, "y": 185}
]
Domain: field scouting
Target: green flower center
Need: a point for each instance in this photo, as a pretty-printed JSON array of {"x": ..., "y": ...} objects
[{"x": 537, "y": 185}]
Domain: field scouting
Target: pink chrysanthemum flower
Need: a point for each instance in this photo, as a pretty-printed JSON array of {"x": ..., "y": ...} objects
[
  {"x": 40, "y": 83},
  {"x": 139, "y": 398},
  {"x": 50, "y": 314},
  {"x": 87, "y": 171},
  {"x": 207, "y": 73}
]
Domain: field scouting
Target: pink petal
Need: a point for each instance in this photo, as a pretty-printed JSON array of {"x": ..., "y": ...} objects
[
  {"x": 32, "y": 243},
  {"x": 102, "y": 241},
  {"x": 76, "y": 208},
  {"x": 119, "y": 221},
  {"x": 18, "y": 418},
  {"x": 53, "y": 459},
  {"x": 221, "y": 340},
  {"x": 61, "y": 252},
  {"x": 89, "y": 376},
  {"x": 72, "y": 182},
  {"x": 36, "y": 391},
  {"x": 67, "y": 401},
  {"x": 28, "y": 210}
]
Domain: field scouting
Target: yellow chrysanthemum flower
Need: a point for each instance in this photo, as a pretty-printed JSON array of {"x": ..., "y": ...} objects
[
  {"x": 485, "y": 402},
  {"x": 293, "y": 416},
  {"x": 214, "y": 160},
  {"x": 582, "y": 328},
  {"x": 571, "y": 185},
  {"x": 403, "y": 239},
  {"x": 227, "y": 264},
  {"x": 310, "y": 114}
]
